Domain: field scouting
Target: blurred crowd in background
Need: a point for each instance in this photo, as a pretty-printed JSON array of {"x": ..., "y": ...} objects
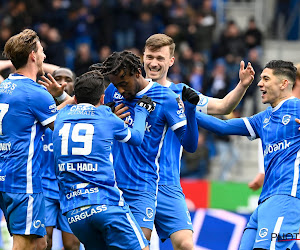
[{"x": 78, "y": 33}]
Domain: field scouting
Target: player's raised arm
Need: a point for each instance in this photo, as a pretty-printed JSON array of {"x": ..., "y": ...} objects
[
  {"x": 231, "y": 100},
  {"x": 235, "y": 126},
  {"x": 188, "y": 134}
]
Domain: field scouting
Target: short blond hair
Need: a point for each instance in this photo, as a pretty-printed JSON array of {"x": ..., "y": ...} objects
[
  {"x": 157, "y": 41},
  {"x": 18, "y": 47}
]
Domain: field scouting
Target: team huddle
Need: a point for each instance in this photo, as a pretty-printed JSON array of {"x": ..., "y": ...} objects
[{"x": 114, "y": 169}]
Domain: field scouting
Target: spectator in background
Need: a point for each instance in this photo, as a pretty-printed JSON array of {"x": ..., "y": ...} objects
[
  {"x": 231, "y": 44},
  {"x": 217, "y": 85},
  {"x": 55, "y": 48},
  {"x": 196, "y": 165},
  {"x": 253, "y": 57},
  {"x": 197, "y": 77},
  {"x": 145, "y": 26},
  {"x": 103, "y": 53},
  {"x": 83, "y": 59},
  {"x": 253, "y": 35},
  {"x": 125, "y": 13}
]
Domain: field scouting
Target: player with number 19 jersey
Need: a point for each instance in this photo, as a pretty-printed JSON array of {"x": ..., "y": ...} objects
[
  {"x": 85, "y": 178},
  {"x": 25, "y": 109}
]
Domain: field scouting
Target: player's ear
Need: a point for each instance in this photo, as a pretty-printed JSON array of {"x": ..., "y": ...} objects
[
  {"x": 75, "y": 99},
  {"x": 102, "y": 99},
  {"x": 138, "y": 73},
  {"x": 284, "y": 83},
  {"x": 172, "y": 61},
  {"x": 32, "y": 56}
]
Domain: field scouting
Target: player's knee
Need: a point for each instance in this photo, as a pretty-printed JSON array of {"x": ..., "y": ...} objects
[
  {"x": 41, "y": 244},
  {"x": 184, "y": 245},
  {"x": 72, "y": 244}
]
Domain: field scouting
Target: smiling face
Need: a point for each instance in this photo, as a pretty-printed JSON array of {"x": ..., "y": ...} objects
[
  {"x": 271, "y": 87},
  {"x": 157, "y": 63},
  {"x": 127, "y": 85}
]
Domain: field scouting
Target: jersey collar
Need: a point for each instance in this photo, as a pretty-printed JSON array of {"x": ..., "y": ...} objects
[
  {"x": 15, "y": 76},
  {"x": 280, "y": 104},
  {"x": 144, "y": 90}
]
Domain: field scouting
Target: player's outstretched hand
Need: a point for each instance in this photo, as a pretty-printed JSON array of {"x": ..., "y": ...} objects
[
  {"x": 246, "y": 74},
  {"x": 53, "y": 87},
  {"x": 257, "y": 182},
  {"x": 190, "y": 95},
  {"x": 147, "y": 103}
]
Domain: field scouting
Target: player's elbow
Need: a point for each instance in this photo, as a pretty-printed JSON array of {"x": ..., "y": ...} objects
[{"x": 191, "y": 148}]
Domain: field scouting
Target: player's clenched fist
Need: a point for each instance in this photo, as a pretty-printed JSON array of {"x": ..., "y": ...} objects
[
  {"x": 147, "y": 103},
  {"x": 190, "y": 95}
]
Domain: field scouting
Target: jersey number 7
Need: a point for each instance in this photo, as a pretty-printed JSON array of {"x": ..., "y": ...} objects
[{"x": 3, "y": 109}]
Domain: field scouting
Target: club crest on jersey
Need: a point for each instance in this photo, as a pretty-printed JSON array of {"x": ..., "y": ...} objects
[
  {"x": 286, "y": 119},
  {"x": 179, "y": 102},
  {"x": 263, "y": 232},
  {"x": 149, "y": 212}
]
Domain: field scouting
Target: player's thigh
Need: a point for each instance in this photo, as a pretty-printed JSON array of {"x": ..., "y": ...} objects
[
  {"x": 249, "y": 234},
  {"x": 70, "y": 241},
  {"x": 51, "y": 211},
  {"x": 120, "y": 224},
  {"x": 24, "y": 242},
  {"x": 116, "y": 226},
  {"x": 62, "y": 222},
  {"x": 90, "y": 236},
  {"x": 26, "y": 213},
  {"x": 277, "y": 216},
  {"x": 182, "y": 239},
  {"x": 142, "y": 206},
  {"x": 172, "y": 214}
]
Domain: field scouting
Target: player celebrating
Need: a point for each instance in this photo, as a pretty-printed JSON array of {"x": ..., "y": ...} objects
[
  {"x": 54, "y": 216},
  {"x": 82, "y": 141},
  {"x": 172, "y": 216},
  {"x": 26, "y": 109},
  {"x": 137, "y": 167},
  {"x": 277, "y": 214}
]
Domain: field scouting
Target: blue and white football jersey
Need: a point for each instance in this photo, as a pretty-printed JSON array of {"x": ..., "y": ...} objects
[
  {"x": 25, "y": 109},
  {"x": 280, "y": 137},
  {"x": 82, "y": 139},
  {"x": 137, "y": 168},
  {"x": 171, "y": 152},
  {"x": 49, "y": 181}
]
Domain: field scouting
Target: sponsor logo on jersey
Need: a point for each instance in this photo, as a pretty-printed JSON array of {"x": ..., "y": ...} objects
[
  {"x": 286, "y": 119},
  {"x": 7, "y": 87},
  {"x": 48, "y": 147},
  {"x": 6, "y": 146},
  {"x": 117, "y": 96},
  {"x": 86, "y": 214},
  {"x": 80, "y": 192},
  {"x": 277, "y": 146},
  {"x": 267, "y": 120}
]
